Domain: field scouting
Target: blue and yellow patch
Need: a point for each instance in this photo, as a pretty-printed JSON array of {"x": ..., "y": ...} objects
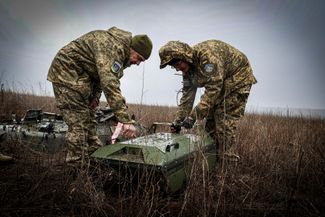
[
  {"x": 209, "y": 67},
  {"x": 116, "y": 67}
]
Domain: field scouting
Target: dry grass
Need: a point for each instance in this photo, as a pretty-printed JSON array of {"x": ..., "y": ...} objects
[
  {"x": 281, "y": 173},
  {"x": 19, "y": 103}
]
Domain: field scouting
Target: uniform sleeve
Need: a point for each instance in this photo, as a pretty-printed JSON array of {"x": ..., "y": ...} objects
[
  {"x": 214, "y": 82},
  {"x": 186, "y": 102},
  {"x": 112, "y": 91},
  {"x": 209, "y": 98},
  {"x": 97, "y": 91},
  {"x": 109, "y": 67}
]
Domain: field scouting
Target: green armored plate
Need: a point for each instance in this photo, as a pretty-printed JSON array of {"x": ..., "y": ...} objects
[
  {"x": 169, "y": 154},
  {"x": 157, "y": 149}
]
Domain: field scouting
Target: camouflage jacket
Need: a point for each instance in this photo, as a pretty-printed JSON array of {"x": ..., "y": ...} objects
[
  {"x": 218, "y": 67},
  {"x": 94, "y": 63}
]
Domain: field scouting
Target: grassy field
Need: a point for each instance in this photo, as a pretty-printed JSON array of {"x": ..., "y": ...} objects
[{"x": 281, "y": 173}]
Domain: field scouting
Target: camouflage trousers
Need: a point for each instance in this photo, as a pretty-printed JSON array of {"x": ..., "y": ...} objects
[
  {"x": 223, "y": 119},
  {"x": 81, "y": 139}
]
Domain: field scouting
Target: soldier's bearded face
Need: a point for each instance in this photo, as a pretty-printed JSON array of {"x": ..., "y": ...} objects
[
  {"x": 182, "y": 66},
  {"x": 135, "y": 57}
]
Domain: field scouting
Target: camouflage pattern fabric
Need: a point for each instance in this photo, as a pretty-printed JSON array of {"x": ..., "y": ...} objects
[
  {"x": 79, "y": 73},
  {"x": 222, "y": 121},
  {"x": 175, "y": 50},
  {"x": 227, "y": 77},
  {"x": 81, "y": 139},
  {"x": 94, "y": 63}
]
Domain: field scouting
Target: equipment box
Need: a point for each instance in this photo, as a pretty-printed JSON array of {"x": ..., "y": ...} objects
[{"x": 169, "y": 155}]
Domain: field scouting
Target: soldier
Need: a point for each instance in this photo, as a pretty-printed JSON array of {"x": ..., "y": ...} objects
[
  {"x": 83, "y": 69},
  {"x": 227, "y": 77}
]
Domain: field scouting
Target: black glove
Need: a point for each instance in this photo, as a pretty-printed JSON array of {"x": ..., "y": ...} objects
[
  {"x": 188, "y": 122},
  {"x": 175, "y": 127}
]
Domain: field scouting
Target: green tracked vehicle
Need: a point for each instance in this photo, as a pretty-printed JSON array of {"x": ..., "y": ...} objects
[{"x": 168, "y": 156}]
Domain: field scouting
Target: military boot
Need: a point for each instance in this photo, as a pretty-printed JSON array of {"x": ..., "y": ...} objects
[
  {"x": 94, "y": 144},
  {"x": 231, "y": 156},
  {"x": 5, "y": 158},
  {"x": 73, "y": 157}
]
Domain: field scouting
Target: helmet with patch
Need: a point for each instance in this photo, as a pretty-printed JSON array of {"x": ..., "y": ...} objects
[{"x": 175, "y": 50}]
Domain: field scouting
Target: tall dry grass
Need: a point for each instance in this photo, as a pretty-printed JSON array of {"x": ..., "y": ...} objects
[
  {"x": 19, "y": 102},
  {"x": 280, "y": 173}
]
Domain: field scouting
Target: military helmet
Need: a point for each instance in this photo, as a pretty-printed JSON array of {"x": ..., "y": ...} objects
[{"x": 175, "y": 50}]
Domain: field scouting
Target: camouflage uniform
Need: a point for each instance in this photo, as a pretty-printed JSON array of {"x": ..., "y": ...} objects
[
  {"x": 227, "y": 77},
  {"x": 79, "y": 73}
]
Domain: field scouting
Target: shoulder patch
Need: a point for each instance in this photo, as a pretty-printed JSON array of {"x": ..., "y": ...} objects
[
  {"x": 116, "y": 67},
  {"x": 209, "y": 67}
]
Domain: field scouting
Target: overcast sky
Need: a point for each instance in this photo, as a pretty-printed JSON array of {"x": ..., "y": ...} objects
[{"x": 283, "y": 39}]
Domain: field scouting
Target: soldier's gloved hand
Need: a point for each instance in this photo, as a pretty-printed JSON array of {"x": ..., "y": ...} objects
[
  {"x": 188, "y": 122},
  {"x": 175, "y": 127}
]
